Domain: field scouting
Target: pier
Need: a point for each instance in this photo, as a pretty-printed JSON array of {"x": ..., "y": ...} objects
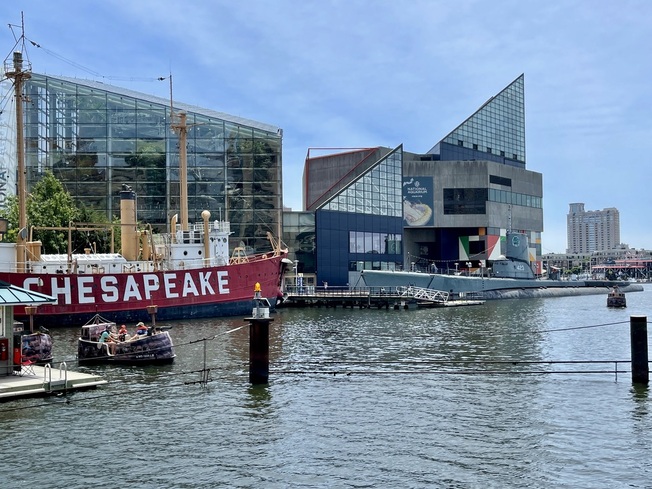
[
  {"x": 37, "y": 381},
  {"x": 371, "y": 298}
]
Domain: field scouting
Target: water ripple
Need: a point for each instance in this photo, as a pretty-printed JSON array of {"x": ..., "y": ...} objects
[{"x": 372, "y": 408}]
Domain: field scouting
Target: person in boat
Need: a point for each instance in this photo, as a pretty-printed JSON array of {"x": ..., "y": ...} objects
[
  {"x": 122, "y": 333},
  {"x": 108, "y": 338},
  {"x": 141, "y": 329}
]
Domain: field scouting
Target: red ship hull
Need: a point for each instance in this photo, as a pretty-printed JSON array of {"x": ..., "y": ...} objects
[{"x": 125, "y": 297}]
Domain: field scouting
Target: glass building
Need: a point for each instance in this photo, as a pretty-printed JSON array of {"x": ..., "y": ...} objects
[
  {"x": 481, "y": 189},
  {"x": 95, "y": 137},
  {"x": 495, "y": 132},
  {"x": 361, "y": 226},
  {"x": 299, "y": 236},
  {"x": 449, "y": 208}
]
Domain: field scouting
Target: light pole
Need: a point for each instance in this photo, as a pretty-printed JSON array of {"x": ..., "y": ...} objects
[{"x": 296, "y": 276}]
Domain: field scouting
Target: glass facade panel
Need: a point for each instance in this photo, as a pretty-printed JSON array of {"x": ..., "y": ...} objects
[
  {"x": 377, "y": 192},
  {"x": 299, "y": 235},
  {"x": 95, "y": 137},
  {"x": 493, "y": 131},
  {"x": 465, "y": 200},
  {"x": 366, "y": 218},
  {"x": 514, "y": 198},
  {"x": 370, "y": 242}
]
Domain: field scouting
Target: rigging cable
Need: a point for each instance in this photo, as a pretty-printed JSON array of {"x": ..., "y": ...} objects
[{"x": 93, "y": 72}]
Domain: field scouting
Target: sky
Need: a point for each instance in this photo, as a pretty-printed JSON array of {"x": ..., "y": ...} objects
[{"x": 367, "y": 73}]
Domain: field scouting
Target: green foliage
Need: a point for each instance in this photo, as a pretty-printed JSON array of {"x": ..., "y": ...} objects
[
  {"x": 10, "y": 213},
  {"x": 50, "y": 205}
]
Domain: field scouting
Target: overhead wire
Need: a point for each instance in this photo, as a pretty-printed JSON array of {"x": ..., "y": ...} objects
[{"x": 91, "y": 71}]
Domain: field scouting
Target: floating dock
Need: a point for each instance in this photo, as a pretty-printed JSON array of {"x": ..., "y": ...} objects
[
  {"x": 372, "y": 298},
  {"x": 37, "y": 381}
]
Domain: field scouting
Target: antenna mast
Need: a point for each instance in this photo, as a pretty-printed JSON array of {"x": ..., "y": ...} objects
[
  {"x": 181, "y": 129},
  {"x": 17, "y": 72}
]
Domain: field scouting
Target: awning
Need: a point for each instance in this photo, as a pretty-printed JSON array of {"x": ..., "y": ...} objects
[{"x": 10, "y": 295}]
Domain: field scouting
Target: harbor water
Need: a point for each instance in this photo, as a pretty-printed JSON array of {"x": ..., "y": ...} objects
[{"x": 466, "y": 397}]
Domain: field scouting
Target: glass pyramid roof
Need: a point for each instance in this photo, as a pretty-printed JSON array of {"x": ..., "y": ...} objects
[{"x": 496, "y": 129}]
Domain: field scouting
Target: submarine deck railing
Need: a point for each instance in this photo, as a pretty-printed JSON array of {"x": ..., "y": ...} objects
[{"x": 359, "y": 295}]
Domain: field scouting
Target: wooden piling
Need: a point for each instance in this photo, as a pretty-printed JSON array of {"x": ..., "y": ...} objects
[
  {"x": 152, "y": 310},
  {"x": 639, "y": 351},
  {"x": 31, "y": 310}
]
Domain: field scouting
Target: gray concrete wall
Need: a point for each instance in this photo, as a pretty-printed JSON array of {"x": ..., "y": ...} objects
[{"x": 475, "y": 174}]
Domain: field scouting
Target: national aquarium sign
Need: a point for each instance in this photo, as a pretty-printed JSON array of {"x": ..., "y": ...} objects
[{"x": 418, "y": 201}]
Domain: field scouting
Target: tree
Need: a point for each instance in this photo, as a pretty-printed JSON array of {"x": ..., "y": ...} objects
[{"x": 50, "y": 205}]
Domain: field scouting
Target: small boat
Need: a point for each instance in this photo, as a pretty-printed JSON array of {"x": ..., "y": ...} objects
[
  {"x": 31, "y": 349},
  {"x": 36, "y": 347},
  {"x": 616, "y": 298},
  {"x": 154, "y": 347}
]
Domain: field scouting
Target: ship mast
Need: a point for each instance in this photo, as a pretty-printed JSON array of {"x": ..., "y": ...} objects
[
  {"x": 180, "y": 128},
  {"x": 19, "y": 75}
]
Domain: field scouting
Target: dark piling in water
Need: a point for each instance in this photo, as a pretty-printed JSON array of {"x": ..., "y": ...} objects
[
  {"x": 640, "y": 361},
  {"x": 259, "y": 340},
  {"x": 259, "y": 350}
]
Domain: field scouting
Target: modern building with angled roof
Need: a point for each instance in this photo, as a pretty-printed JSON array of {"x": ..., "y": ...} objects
[
  {"x": 95, "y": 137},
  {"x": 495, "y": 132},
  {"x": 450, "y": 208}
]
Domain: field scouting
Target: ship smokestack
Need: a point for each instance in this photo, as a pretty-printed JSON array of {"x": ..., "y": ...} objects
[{"x": 129, "y": 234}]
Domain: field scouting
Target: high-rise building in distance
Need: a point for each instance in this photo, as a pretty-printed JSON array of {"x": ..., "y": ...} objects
[{"x": 589, "y": 231}]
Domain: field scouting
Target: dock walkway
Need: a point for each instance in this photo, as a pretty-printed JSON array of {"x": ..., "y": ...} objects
[
  {"x": 371, "y": 297},
  {"x": 44, "y": 381}
]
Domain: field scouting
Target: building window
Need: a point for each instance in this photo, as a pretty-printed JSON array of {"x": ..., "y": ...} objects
[
  {"x": 506, "y": 182},
  {"x": 465, "y": 200}
]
